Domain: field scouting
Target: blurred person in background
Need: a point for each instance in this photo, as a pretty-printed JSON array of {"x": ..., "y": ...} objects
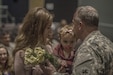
[
  {"x": 56, "y": 27},
  {"x": 6, "y": 64},
  {"x": 5, "y": 39},
  {"x": 62, "y": 23}
]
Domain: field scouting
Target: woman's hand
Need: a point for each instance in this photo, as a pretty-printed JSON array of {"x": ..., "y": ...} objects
[{"x": 49, "y": 69}]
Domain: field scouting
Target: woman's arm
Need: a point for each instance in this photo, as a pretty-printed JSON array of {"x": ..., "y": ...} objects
[{"x": 19, "y": 64}]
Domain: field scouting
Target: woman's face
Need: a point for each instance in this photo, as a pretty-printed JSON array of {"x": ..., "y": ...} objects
[
  {"x": 3, "y": 55},
  {"x": 67, "y": 42},
  {"x": 47, "y": 31}
]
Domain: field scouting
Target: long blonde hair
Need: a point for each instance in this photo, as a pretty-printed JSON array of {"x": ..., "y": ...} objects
[{"x": 32, "y": 30}]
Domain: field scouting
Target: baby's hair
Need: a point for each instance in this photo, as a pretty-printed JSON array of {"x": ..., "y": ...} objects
[{"x": 67, "y": 29}]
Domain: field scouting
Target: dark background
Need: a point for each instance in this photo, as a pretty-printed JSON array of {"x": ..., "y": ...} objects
[
  {"x": 63, "y": 9},
  {"x": 17, "y": 8}
]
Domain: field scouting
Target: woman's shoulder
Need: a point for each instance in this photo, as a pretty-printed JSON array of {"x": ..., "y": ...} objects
[{"x": 20, "y": 53}]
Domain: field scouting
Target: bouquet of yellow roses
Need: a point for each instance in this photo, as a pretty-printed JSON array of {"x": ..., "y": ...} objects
[{"x": 38, "y": 55}]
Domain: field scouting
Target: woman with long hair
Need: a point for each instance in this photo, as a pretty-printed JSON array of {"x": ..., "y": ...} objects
[{"x": 29, "y": 53}]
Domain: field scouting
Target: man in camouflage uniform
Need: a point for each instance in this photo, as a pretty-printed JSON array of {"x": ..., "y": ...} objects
[{"x": 95, "y": 55}]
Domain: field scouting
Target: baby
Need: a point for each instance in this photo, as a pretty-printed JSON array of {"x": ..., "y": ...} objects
[{"x": 65, "y": 50}]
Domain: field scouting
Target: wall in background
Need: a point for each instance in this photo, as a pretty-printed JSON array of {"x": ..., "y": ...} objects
[
  {"x": 17, "y": 8},
  {"x": 62, "y": 9},
  {"x": 35, "y": 3}
]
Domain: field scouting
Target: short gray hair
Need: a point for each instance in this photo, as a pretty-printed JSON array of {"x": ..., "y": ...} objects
[{"x": 88, "y": 15}]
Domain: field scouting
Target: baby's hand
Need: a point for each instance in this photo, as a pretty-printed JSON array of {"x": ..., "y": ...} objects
[{"x": 62, "y": 62}]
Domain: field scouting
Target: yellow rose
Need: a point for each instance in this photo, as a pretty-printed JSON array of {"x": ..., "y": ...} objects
[{"x": 35, "y": 56}]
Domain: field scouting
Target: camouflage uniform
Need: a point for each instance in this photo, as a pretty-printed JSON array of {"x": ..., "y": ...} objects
[{"x": 94, "y": 56}]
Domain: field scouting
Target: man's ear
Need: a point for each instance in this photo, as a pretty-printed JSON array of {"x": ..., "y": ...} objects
[{"x": 80, "y": 26}]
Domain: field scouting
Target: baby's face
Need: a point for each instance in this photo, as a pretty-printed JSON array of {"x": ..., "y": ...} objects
[{"x": 67, "y": 42}]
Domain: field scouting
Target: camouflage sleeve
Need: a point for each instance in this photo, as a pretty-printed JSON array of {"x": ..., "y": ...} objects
[{"x": 84, "y": 64}]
